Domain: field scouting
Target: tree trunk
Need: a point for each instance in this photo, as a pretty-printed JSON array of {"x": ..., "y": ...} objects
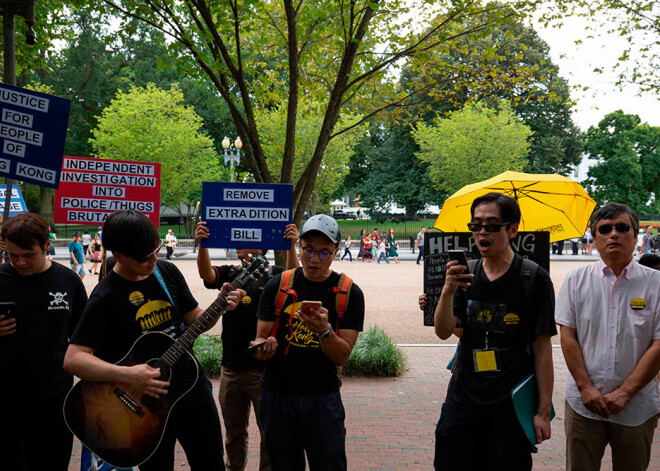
[{"x": 46, "y": 203}]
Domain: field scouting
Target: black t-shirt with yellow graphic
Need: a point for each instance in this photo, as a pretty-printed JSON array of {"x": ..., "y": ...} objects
[
  {"x": 120, "y": 310},
  {"x": 299, "y": 365},
  {"x": 498, "y": 309}
]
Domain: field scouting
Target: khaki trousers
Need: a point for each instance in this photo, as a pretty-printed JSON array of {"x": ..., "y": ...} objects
[
  {"x": 587, "y": 438},
  {"x": 239, "y": 389}
]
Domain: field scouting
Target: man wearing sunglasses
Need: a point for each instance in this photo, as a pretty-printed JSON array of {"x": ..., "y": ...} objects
[
  {"x": 143, "y": 294},
  {"x": 506, "y": 337},
  {"x": 609, "y": 315},
  {"x": 300, "y": 407}
]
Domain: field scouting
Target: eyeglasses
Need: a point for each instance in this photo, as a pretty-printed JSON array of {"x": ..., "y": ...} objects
[
  {"x": 323, "y": 254},
  {"x": 146, "y": 258},
  {"x": 620, "y": 227},
  {"x": 490, "y": 227}
]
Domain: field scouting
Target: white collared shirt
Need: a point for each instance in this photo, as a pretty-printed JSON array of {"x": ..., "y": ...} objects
[{"x": 616, "y": 320}]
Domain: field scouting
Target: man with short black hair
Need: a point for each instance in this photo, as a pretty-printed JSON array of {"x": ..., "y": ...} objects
[
  {"x": 609, "y": 314},
  {"x": 300, "y": 407},
  {"x": 506, "y": 337},
  {"x": 49, "y": 302},
  {"x": 650, "y": 260},
  {"x": 142, "y": 294}
]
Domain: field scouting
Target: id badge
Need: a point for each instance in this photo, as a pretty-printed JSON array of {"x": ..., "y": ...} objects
[{"x": 485, "y": 360}]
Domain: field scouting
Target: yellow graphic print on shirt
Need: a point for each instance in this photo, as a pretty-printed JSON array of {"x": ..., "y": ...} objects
[
  {"x": 153, "y": 314},
  {"x": 299, "y": 335},
  {"x": 511, "y": 319},
  {"x": 484, "y": 316}
]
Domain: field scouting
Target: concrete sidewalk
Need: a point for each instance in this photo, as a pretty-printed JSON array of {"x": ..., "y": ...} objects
[{"x": 390, "y": 422}]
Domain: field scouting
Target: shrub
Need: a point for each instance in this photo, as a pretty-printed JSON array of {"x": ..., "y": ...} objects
[
  {"x": 374, "y": 354},
  {"x": 208, "y": 350}
]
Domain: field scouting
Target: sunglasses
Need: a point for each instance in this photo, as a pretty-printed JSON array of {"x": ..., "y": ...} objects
[
  {"x": 490, "y": 227},
  {"x": 620, "y": 227},
  {"x": 146, "y": 258},
  {"x": 323, "y": 254}
]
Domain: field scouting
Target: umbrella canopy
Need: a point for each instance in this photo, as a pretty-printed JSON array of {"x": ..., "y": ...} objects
[{"x": 552, "y": 203}]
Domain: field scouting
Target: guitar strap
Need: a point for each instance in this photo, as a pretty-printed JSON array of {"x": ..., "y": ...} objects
[{"x": 159, "y": 277}]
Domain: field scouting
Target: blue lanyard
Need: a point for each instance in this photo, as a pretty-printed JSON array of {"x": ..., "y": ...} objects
[{"x": 159, "y": 277}]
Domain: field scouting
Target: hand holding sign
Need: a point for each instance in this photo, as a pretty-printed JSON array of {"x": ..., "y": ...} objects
[{"x": 244, "y": 216}]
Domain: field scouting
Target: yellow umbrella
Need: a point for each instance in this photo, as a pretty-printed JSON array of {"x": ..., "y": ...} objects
[{"x": 552, "y": 203}]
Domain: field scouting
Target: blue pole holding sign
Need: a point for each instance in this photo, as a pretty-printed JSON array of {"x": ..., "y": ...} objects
[{"x": 247, "y": 215}]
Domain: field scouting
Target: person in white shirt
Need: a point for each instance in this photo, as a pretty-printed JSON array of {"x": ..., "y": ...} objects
[{"x": 609, "y": 314}]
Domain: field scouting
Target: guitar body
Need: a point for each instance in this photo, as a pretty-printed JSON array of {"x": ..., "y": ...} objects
[{"x": 120, "y": 425}]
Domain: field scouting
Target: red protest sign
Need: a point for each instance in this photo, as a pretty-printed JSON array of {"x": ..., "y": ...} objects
[{"x": 92, "y": 189}]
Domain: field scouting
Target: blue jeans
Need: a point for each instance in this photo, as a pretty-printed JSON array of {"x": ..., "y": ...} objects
[
  {"x": 295, "y": 425},
  {"x": 382, "y": 256},
  {"x": 347, "y": 252}
]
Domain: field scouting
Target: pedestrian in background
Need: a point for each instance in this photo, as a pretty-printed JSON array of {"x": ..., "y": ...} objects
[
  {"x": 169, "y": 244},
  {"x": 347, "y": 249},
  {"x": 86, "y": 240},
  {"x": 360, "y": 254},
  {"x": 420, "y": 244},
  {"x": 76, "y": 258},
  {"x": 51, "y": 251},
  {"x": 392, "y": 246}
]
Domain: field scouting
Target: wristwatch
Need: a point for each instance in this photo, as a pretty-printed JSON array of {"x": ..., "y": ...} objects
[{"x": 326, "y": 335}]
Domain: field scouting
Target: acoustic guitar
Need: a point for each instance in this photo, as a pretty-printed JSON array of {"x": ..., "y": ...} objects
[{"x": 121, "y": 425}]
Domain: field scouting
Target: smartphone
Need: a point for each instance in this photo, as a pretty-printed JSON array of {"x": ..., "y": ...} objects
[
  {"x": 255, "y": 346},
  {"x": 307, "y": 305},
  {"x": 8, "y": 309},
  {"x": 461, "y": 258}
]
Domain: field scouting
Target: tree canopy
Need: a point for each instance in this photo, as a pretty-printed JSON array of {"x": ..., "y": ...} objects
[
  {"x": 628, "y": 162},
  {"x": 153, "y": 125},
  {"x": 636, "y": 21},
  {"x": 473, "y": 144},
  {"x": 262, "y": 54}
]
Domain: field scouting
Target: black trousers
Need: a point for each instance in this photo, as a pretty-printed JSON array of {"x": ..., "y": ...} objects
[
  {"x": 194, "y": 421},
  {"x": 469, "y": 441},
  {"x": 295, "y": 426},
  {"x": 35, "y": 437},
  {"x": 170, "y": 251}
]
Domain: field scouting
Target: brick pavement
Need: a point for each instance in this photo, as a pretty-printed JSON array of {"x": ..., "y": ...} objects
[{"x": 390, "y": 422}]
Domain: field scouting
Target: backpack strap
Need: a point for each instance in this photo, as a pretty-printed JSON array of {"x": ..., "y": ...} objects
[
  {"x": 286, "y": 283},
  {"x": 528, "y": 270},
  {"x": 343, "y": 291}
]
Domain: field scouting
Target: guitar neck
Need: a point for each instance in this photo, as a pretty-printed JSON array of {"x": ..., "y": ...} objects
[{"x": 183, "y": 343}]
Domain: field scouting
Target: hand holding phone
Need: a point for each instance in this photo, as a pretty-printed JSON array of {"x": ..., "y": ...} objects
[
  {"x": 460, "y": 257},
  {"x": 308, "y": 306},
  {"x": 256, "y": 345},
  {"x": 8, "y": 313}
]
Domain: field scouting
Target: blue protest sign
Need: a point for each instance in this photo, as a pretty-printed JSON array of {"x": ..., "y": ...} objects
[
  {"x": 16, "y": 205},
  {"x": 247, "y": 215},
  {"x": 32, "y": 134}
]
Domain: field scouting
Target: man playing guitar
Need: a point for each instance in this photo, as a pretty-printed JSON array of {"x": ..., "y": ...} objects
[{"x": 142, "y": 294}]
